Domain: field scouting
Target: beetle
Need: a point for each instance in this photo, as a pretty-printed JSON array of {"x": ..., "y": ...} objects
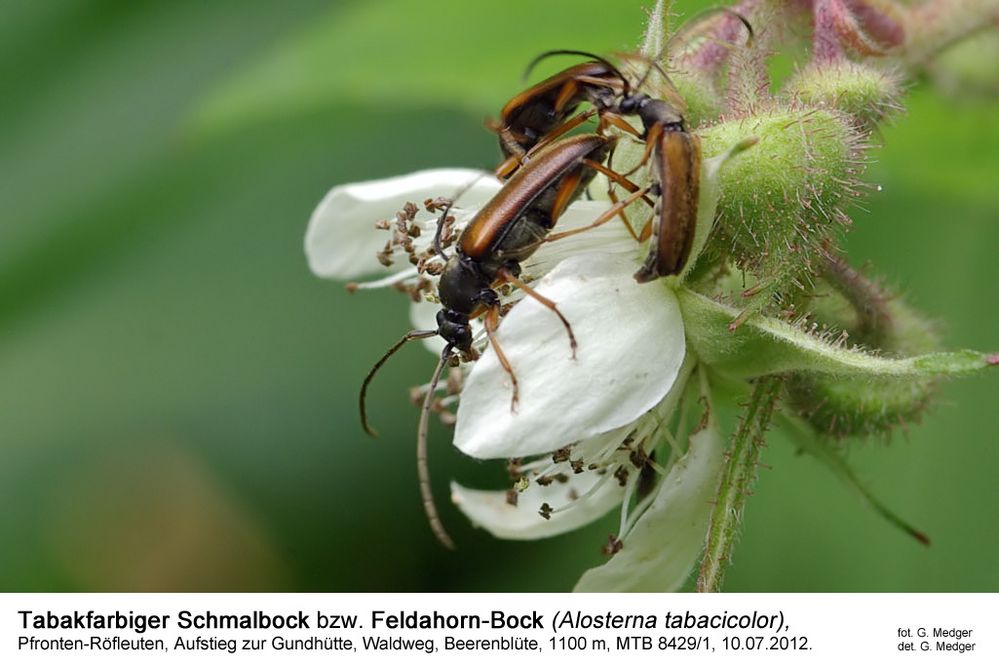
[
  {"x": 540, "y": 114},
  {"x": 504, "y": 233},
  {"x": 543, "y": 112},
  {"x": 676, "y": 166},
  {"x": 535, "y": 117},
  {"x": 675, "y": 154},
  {"x": 676, "y": 169}
]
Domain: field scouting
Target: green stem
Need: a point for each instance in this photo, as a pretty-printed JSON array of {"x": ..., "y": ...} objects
[{"x": 736, "y": 481}]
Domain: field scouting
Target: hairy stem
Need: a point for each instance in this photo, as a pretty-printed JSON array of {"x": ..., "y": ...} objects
[
  {"x": 736, "y": 481},
  {"x": 826, "y": 16}
]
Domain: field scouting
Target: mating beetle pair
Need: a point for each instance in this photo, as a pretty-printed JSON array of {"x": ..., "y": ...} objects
[{"x": 545, "y": 172}]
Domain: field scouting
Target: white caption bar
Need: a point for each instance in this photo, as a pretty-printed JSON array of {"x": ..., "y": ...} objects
[{"x": 497, "y": 629}]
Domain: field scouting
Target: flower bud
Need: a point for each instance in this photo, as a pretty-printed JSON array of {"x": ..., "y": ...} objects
[
  {"x": 866, "y": 94},
  {"x": 781, "y": 201},
  {"x": 851, "y": 406},
  {"x": 704, "y": 102}
]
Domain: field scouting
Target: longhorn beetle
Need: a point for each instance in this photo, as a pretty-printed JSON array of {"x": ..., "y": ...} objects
[
  {"x": 538, "y": 115},
  {"x": 543, "y": 112},
  {"x": 675, "y": 155}
]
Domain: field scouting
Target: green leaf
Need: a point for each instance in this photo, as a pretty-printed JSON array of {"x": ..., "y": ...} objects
[{"x": 400, "y": 53}]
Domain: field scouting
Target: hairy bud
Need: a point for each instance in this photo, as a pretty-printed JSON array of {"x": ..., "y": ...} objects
[
  {"x": 704, "y": 102},
  {"x": 866, "y": 94},
  {"x": 781, "y": 202},
  {"x": 848, "y": 406}
]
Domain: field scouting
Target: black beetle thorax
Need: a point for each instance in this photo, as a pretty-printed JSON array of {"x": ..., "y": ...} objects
[
  {"x": 462, "y": 284},
  {"x": 659, "y": 112}
]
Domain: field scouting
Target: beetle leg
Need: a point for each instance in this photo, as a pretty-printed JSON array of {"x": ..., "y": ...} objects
[
  {"x": 604, "y": 217},
  {"x": 613, "y": 196},
  {"x": 651, "y": 141},
  {"x": 492, "y": 322},
  {"x": 624, "y": 183},
  {"x": 624, "y": 218},
  {"x": 607, "y": 118},
  {"x": 507, "y": 275},
  {"x": 565, "y": 95},
  {"x": 616, "y": 177},
  {"x": 567, "y": 126},
  {"x": 508, "y": 166},
  {"x": 647, "y": 229}
]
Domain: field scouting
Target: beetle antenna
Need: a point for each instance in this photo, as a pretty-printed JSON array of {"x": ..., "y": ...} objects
[
  {"x": 440, "y": 227},
  {"x": 422, "y": 468},
  {"x": 438, "y": 248},
  {"x": 654, "y": 65},
  {"x": 412, "y": 335},
  {"x": 585, "y": 54}
]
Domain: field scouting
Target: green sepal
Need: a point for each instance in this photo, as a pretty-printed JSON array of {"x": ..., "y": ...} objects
[{"x": 764, "y": 345}]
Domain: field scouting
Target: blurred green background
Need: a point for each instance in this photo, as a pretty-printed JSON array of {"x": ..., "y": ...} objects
[{"x": 177, "y": 392}]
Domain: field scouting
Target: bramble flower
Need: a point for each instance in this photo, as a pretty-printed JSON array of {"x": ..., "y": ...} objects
[
  {"x": 612, "y": 399},
  {"x": 628, "y": 422},
  {"x": 615, "y": 402}
]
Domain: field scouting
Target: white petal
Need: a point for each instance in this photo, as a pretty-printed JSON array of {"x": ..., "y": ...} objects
[
  {"x": 341, "y": 240},
  {"x": 666, "y": 541},
  {"x": 631, "y": 346},
  {"x": 489, "y": 509}
]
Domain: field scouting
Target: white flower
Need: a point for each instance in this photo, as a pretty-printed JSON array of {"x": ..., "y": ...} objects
[{"x": 584, "y": 427}]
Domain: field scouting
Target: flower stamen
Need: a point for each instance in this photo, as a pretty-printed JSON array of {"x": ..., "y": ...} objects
[
  {"x": 629, "y": 491},
  {"x": 576, "y": 501}
]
